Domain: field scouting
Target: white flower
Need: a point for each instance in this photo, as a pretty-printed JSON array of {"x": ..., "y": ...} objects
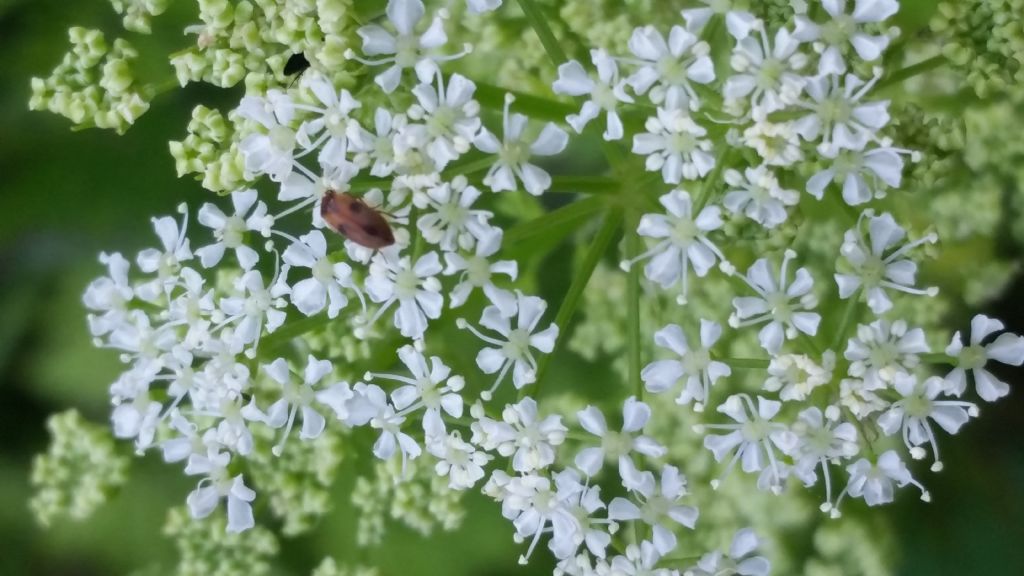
[
  {"x": 459, "y": 460},
  {"x": 415, "y": 288},
  {"x": 447, "y": 216},
  {"x": 696, "y": 365},
  {"x": 883, "y": 349},
  {"x": 919, "y": 404},
  {"x": 475, "y": 271},
  {"x": 768, "y": 74},
  {"x": 605, "y": 93},
  {"x": 581, "y": 501},
  {"x": 333, "y": 127},
  {"x": 863, "y": 175},
  {"x": 682, "y": 242},
  {"x": 532, "y": 505},
  {"x": 323, "y": 289},
  {"x": 668, "y": 67},
  {"x": 1007, "y": 348},
  {"x": 253, "y": 310},
  {"x": 785, "y": 306},
  {"x": 754, "y": 438},
  {"x": 273, "y": 152},
  {"x": 872, "y": 270},
  {"x": 639, "y": 561},
  {"x": 449, "y": 117},
  {"x": 617, "y": 446},
  {"x": 737, "y": 22},
  {"x": 512, "y": 351},
  {"x": 296, "y": 398},
  {"x": 230, "y": 231},
  {"x": 841, "y": 31},
  {"x": 515, "y": 153},
  {"x": 795, "y": 376},
  {"x": 369, "y": 405},
  {"x": 777, "y": 143},
  {"x": 431, "y": 388},
  {"x": 838, "y": 116},
  {"x": 165, "y": 261},
  {"x": 405, "y": 49},
  {"x": 821, "y": 440},
  {"x": 218, "y": 484},
  {"x": 193, "y": 308},
  {"x": 756, "y": 193},
  {"x": 874, "y": 482},
  {"x": 109, "y": 294},
  {"x": 379, "y": 147},
  {"x": 521, "y": 434},
  {"x": 675, "y": 144},
  {"x": 739, "y": 561},
  {"x": 658, "y": 507}
]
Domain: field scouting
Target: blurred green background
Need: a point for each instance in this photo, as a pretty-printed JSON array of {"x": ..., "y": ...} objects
[{"x": 64, "y": 197}]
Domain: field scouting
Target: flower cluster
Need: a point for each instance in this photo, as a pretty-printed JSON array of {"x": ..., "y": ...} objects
[{"x": 388, "y": 208}]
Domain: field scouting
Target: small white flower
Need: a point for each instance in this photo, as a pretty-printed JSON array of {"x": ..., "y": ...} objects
[
  {"x": 476, "y": 271},
  {"x": 296, "y": 398},
  {"x": 447, "y": 216},
  {"x": 658, "y": 507},
  {"x": 515, "y": 153},
  {"x": 219, "y": 484},
  {"x": 323, "y": 289},
  {"x": 883, "y": 349},
  {"x": 521, "y": 434},
  {"x": 449, "y": 117},
  {"x": 740, "y": 560},
  {"x": 872, "y": 269},
  {"x": 639, "y": 561},
  {"x": 754, "y": 438},
  {"x": 795, "y": 376},
  {"x": 821, "y": 441},
  {"x": 534, "y": 509},
  {"x": 271, "y": 152},
  {"x": 605, "y": 92},
  {"x": 675, "y": 145},
  {"x": 229, "y": 231},
  {"x": 785, "y": 306},
  {"x": 874, "y": 482},
  {"x": 165, "y": 261},
  {"x": 254, "y": 310},
  {"x": 777, "y": 143},
  {"x": 459, "y": 460},
  {"x": 696, "y": 365},
  {"x": 841, "y": 31},
  {"x": 768, "y": 73},
  {"x": 414, "y": 287},
  {"x": 512, "y": 350},
  {"x": 919, "y": 404},
  {"x": 837, "y": 115},
  {"x": 332, "y": 128},
  {"x": 617, "y": 446},
  {"x": 405, "y": 49},
  {"x": 1007, "y": 348},
  {"x": 669, "y": 67},
  {"x": 581, "y": 501},
  {"x": 863, "y": 175},
  {"x": 682, "y": 242},
  {"x": 378, "y": 148},
  {"x": 109, "y": 295},
  {"x": 369, "y": 405},
  {"x": 432, "y": 388},
  {"x": 738, "y": 23},
  {"x": 756, "y": 193}
]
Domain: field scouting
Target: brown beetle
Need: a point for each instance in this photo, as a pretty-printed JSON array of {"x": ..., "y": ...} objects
[{"x": 352, "y": 218}]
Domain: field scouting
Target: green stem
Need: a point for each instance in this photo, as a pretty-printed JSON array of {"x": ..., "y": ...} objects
[
  {"x": 633, "y": 248},
  {"x": 842, "y": 334},
  {"x": 540, "y": 26},
  {"x": 911, "y": 71},
  {"x": 610, "y": 225},
  {"x": 557, "y": 218}
]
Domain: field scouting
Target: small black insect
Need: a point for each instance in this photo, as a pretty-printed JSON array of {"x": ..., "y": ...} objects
[{"x": 296, "y": 65}]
